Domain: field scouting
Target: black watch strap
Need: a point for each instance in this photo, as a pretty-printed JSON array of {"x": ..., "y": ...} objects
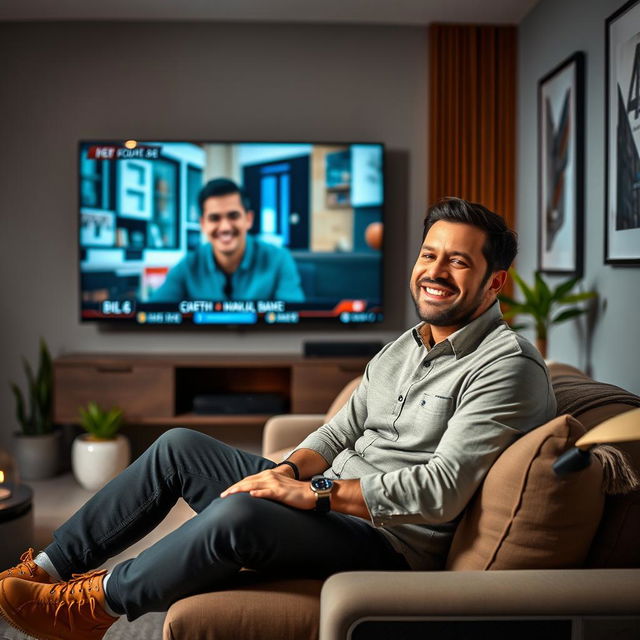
[
  {"x": 293, "y": 465},
  {"x": 323, "y": 504}
]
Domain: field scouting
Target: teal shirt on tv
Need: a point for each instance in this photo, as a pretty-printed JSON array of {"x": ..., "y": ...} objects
[{"x": 266, "y": 272}]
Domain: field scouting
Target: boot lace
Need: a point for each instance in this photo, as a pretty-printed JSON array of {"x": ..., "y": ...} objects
[
  {"x": 81, "y": 590},
  {"x": 26, "y": 565}
]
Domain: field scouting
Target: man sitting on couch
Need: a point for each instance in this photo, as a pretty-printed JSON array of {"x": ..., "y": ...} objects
[{"x": 380, "y": 486}]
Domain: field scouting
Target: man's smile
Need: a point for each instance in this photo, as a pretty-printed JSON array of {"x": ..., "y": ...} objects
[
  {"x": 433, "y": 290},
  {"x": 225, "y": 236}
]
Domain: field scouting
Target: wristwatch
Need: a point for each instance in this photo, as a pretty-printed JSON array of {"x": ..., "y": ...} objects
[{"x": 322, "y": 487}]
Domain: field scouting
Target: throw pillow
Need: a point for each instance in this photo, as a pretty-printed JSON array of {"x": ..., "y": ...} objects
[{"x": 526, "y": 517}]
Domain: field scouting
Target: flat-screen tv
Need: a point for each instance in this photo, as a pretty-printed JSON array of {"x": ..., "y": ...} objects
[{"x": 230, "y": 233}]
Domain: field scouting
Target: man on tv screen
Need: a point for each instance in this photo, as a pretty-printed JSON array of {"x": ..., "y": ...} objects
[{"x": 233, "y": 265}]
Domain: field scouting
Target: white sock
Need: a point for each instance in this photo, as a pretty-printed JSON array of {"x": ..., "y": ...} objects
[
  {"x": 42, "y": 560},
  {"x": 107, "y": 608}
]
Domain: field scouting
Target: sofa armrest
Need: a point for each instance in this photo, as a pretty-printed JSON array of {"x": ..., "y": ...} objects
[
  {"x": 350, "y": 598},
  {"x": 287, "y": 431}
]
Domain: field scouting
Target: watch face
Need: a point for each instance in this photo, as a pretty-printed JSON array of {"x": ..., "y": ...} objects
[{"x": 320, "y": 483}]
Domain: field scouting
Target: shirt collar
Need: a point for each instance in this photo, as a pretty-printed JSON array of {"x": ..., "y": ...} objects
[
  {"x": 415, "y": 332},
  {"x": 467, "y": 338}
]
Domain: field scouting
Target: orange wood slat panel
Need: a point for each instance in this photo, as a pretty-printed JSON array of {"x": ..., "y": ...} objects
[
  {"x": 456, "y": 120},
  {"x": 472, "y": 115}
]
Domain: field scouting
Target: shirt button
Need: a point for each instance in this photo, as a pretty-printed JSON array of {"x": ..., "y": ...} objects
[
  {"x": 427, "y": 363},
  {"x": 400, "y": 398}
]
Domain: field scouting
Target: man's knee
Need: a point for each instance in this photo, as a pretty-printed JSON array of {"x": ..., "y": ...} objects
[
  {"x": 181, "y": 439},
  {"x": 241, "y": 522},
  {"x": 239, "y": 511}
]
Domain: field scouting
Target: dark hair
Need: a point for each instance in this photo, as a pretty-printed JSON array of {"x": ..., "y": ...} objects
[
  {"x": 222, "y": 187},
  {"x": 501, "y": 246}
]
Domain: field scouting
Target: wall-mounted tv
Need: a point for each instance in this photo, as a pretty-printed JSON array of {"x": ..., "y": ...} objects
[{"x": 230, "y": 233}]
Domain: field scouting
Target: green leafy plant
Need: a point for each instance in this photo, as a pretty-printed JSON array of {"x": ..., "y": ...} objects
[
  {"x": 543, "y": 304},
  {"x": 35, "y": 419},
  {"x": 99, "y": 423}
]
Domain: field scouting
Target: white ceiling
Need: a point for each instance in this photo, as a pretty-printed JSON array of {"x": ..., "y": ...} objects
[{"x": 393, "y": 12}]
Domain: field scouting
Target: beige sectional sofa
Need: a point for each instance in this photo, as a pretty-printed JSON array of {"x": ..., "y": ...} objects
[{"x": 535, "y": 556}]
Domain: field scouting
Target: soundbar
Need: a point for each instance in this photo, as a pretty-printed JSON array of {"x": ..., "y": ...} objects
[{"x": 239, "y": 403}]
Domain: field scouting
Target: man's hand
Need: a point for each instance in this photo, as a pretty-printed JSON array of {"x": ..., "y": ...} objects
[{"x": 276, "y": 484}]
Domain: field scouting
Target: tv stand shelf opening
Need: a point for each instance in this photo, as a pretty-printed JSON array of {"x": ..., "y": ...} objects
[{"x": 159, "y": 389}]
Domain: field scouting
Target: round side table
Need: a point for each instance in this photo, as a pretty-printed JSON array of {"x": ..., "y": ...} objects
[{"x": 16, "y": 524}]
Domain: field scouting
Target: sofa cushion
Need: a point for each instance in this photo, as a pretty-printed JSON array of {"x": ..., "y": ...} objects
[
  {"x": 259, "y": 610},
  {"x": 526, "y": 517},
  {"x": 280, "y": 455}
]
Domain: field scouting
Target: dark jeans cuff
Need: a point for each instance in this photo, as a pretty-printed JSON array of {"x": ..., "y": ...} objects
[
  {"x": 110, "y": 594},
  {"x": 59, "y": 561}
]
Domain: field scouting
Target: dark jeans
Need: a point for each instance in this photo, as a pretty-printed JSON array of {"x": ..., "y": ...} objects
[{"x": 207, "y": 551}]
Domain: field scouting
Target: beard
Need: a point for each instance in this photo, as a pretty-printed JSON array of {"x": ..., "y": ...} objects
[{"x": 457, "y": 313}]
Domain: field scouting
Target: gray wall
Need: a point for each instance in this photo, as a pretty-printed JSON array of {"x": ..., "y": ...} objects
[
  {"x": 63, "y": 82},
  {"x": 608, "y": 344}
]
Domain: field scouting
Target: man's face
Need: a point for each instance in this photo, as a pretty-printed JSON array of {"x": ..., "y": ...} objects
[
  {"x": 225, "y": 222},
  {"x": 447, "y": 280}
]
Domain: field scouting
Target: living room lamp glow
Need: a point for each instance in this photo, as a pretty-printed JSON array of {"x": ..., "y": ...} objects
[{"x": 4, "y": 492}]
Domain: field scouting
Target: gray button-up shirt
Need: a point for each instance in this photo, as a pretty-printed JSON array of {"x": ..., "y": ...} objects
[{"x": 425, "y": 425}]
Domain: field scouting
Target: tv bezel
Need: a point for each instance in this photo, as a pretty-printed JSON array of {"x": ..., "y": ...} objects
[{"x": 130, "y": 323}]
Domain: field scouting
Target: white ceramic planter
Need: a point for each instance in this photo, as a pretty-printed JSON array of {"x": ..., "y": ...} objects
[{"x": 95, "y": 462}]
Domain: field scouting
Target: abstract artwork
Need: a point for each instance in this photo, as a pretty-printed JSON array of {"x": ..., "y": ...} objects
[
  {"x": 560, "y": 179},
  {"x": 622, "y": 215}
]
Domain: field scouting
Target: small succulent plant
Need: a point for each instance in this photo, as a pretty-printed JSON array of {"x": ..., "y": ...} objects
[{"x": 100, "y": 423}]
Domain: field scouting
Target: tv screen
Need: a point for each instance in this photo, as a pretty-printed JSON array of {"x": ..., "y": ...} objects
[{"x": 219, "y": 233}]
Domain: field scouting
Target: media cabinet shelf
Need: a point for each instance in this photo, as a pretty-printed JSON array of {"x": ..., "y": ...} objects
[
  {"x": 195, "y": 419},
  {"x": 158, "y": 389}
]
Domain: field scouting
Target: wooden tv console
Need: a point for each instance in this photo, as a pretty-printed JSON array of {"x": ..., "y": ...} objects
[{"x": 159, "y": 389}]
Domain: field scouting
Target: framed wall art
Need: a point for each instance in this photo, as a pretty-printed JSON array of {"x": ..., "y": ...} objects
[
  {"x": 622, "y": 127},
  {"x": 561, "y": 162}
]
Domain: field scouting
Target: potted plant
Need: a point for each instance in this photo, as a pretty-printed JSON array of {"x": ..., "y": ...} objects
[
  {"x": 37, "y": 445},
  {"x": 543, "y": 305},
  {"x": 102, "y": 453}
]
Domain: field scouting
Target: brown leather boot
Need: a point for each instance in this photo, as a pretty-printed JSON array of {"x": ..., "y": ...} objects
[
  {"x": 72, "y": 610},
  {"x": 27, "y": 569}
]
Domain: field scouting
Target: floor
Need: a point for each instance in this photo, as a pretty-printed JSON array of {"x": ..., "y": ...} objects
[{"x": 57, "y": 499}]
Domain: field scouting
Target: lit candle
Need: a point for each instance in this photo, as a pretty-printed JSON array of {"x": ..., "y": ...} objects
[{"x": 4, "y": 491}]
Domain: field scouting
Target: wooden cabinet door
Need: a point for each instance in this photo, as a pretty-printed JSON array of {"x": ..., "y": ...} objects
[{"x": 138, "y": 390}]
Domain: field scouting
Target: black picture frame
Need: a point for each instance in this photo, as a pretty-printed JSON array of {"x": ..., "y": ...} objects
[
  {"x": 561, "y": 168},
  {"x": 622, "y": 143}
]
